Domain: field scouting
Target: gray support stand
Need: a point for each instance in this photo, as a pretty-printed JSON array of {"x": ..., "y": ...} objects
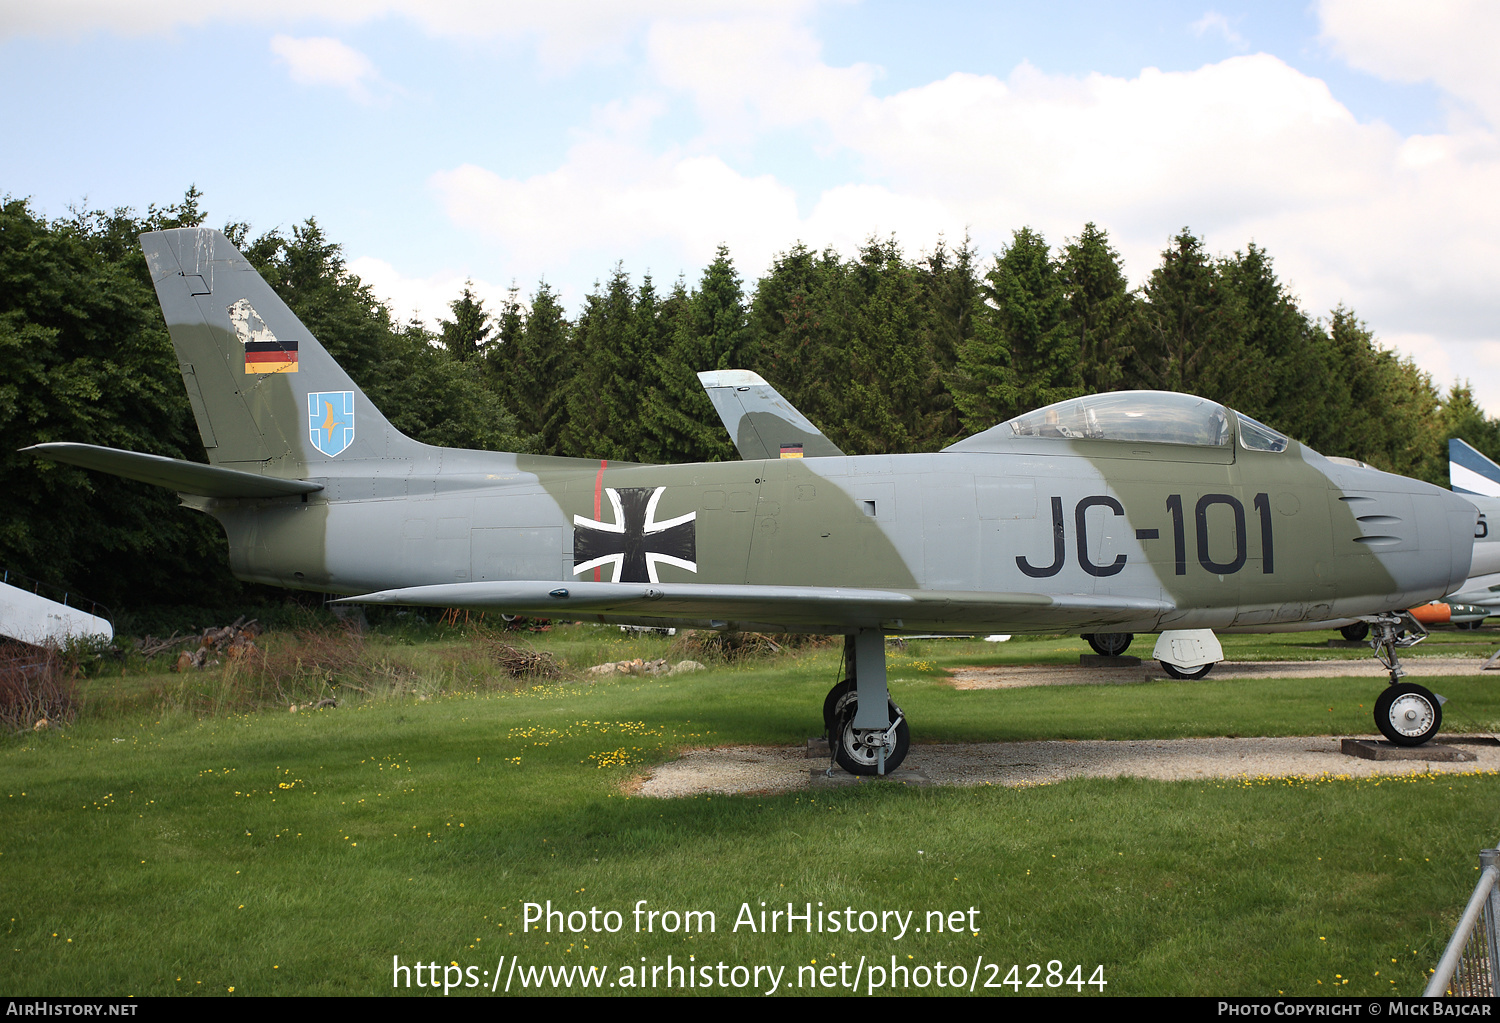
[{"x": 869, "y": 679}]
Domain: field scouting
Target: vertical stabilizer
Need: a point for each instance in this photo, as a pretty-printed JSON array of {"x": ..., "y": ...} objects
[
  {"x": 266, "y": 395},
  {"x": 1470, "y": 472},
  {"x": 761, "y": 422}
]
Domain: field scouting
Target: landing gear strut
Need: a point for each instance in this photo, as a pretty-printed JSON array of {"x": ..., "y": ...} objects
[
  {"x": 864, "y": 739},
  {"x": 1407, "y": 714}
]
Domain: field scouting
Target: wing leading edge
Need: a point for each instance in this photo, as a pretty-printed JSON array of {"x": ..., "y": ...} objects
[{"x": 796, "y": 608}]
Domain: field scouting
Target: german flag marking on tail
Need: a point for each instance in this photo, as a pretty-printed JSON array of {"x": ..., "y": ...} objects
[
  {"x": 264, "y": 352},
  {"x": 270, "y": 358}
]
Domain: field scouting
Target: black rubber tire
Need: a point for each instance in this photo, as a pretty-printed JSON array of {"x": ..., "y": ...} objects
[
  {"x": 1468, "y": 626},
  {"x": 1109, "y": 644},
  {"x": 831, "y": 704},
  {"x": 1393, "y": 707},
  {"x": 1356, "y": 633},
  {"x": 1184, "y": 673},
  {"x": 849, "y": 754}
]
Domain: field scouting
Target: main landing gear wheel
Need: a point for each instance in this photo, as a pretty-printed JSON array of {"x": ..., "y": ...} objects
[
  {"x": 1356, "y": 633},
  {"x": 1109, "y": 644},
  {"x": 1408, "y": 714},
  {"x": 831, "y": 705},
  {"x": 1186, "y": 673},
  {"x": 857, "y": 750}
]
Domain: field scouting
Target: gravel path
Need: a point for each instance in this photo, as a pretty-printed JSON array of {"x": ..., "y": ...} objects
[
  {"x": 748, "y": 769},
  {"x": 1021, "y": 675}
]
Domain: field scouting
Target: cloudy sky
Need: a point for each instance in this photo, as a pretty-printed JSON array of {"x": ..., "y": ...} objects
[{"x": 1357, "y": 141}]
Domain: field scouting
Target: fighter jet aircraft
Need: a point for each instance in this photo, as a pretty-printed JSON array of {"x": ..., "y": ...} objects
[{"x": 1124, "y": 512}]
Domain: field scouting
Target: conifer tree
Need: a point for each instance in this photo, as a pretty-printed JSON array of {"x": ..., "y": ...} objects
[
  {"x": 466, "y": 336},
  {"x": 1303, "y": 393},
  {"x": 1189, "y": 332},
  {"x": 1464, "y": 419},
  {"x": 1393, "y": 419},
  {"x": 707, "y": 331},
  {"x": 885, "y": 357},
  {"x": 1099, "y": 307},
  {"x": 951, "y": 291},
  {"x": 533, "y": 371},
  {"x": 793, "y": 342},
  {"x": 605, "y": 398},
  {"x": 1023, "y": 354}
]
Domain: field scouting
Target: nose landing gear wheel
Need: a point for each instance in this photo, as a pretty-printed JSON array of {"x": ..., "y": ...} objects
[
  {"x": 1408, "y": 714},
  {"x": 857, "y": 750},
  {"x": 1186, "y": 673}
]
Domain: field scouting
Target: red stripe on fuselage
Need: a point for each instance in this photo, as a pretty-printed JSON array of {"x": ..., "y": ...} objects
[{"x": 598, "y": 492}]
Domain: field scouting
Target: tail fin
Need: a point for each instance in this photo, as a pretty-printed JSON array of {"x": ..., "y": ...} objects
[
  {"x": 267, "y": 397},
  {"x": 1470, "y": 472},
  {"x": 760, "y": 421}
]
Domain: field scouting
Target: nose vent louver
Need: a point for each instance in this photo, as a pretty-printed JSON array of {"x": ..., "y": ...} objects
[
  {"x": 1384, "y": 523},
  {"x": 1379, "y": 529}
]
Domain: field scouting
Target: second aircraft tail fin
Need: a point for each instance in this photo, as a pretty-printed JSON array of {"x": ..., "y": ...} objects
[
  {"x": 1470, "y": 472},
  {"x": 760, "y": 421}
]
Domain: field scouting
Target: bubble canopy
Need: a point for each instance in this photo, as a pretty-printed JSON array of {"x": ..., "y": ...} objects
[{"x": 1145, "y": 417}]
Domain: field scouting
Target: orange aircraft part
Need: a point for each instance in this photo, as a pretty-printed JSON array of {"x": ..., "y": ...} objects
[{"x": 1432, "y": 614}]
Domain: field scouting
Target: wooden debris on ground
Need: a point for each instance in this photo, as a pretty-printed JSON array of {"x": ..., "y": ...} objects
[
  {"x": 525, "y": 662},
  {"x": 234, "y": 641}
]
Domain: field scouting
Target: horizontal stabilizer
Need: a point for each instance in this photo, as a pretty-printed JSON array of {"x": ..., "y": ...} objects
[
  {"x": 817, "y": 608},
  {"x": 174, "y": 473},
  {"x": 761, "y": 422}
]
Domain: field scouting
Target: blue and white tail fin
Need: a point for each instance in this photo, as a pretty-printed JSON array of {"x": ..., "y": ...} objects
[{"x": 1470, "y": 472}]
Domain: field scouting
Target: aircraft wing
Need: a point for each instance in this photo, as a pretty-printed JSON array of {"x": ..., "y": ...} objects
[
  {"x": 174, "y": 473},
  {"x": 809, "y": 608},
  {"x": 761, "y": 422}
]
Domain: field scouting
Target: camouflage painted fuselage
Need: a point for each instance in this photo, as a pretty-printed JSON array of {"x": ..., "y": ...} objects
[
  {"x": 1010, "y": 534},
  {"x": 1244, "y": 538}
]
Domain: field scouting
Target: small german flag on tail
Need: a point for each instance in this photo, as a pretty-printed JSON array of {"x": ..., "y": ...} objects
[
  {"x": 271, "y": 357},
  {"x": 264, "y": 352},
  {"x": 791, "y": 451}
]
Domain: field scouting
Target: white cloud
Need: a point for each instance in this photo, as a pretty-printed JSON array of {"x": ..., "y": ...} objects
[
  {"x": 566, "y": 32},
  {"x": 755, "y": 73},
  {"x": 1405, "y": 230},
  {"x": 426, "y": 298},
  {"x": 611, "y": 199},
  {"x": 1451, "y": 43},
  {"x": 325, "y": 61},
  {"x": 1216, "y": 23}
]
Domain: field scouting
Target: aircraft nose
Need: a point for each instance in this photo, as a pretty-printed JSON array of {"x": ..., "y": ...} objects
[
  {"x": 1461, "y": 520},
  {"x": 1422, "y": 535}
]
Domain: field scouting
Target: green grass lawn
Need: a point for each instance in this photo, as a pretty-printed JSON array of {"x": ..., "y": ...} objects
[{"x": 156, "y": 846}]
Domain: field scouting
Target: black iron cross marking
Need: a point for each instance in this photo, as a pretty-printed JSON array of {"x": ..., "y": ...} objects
[{"x": 635, "y": 543}]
